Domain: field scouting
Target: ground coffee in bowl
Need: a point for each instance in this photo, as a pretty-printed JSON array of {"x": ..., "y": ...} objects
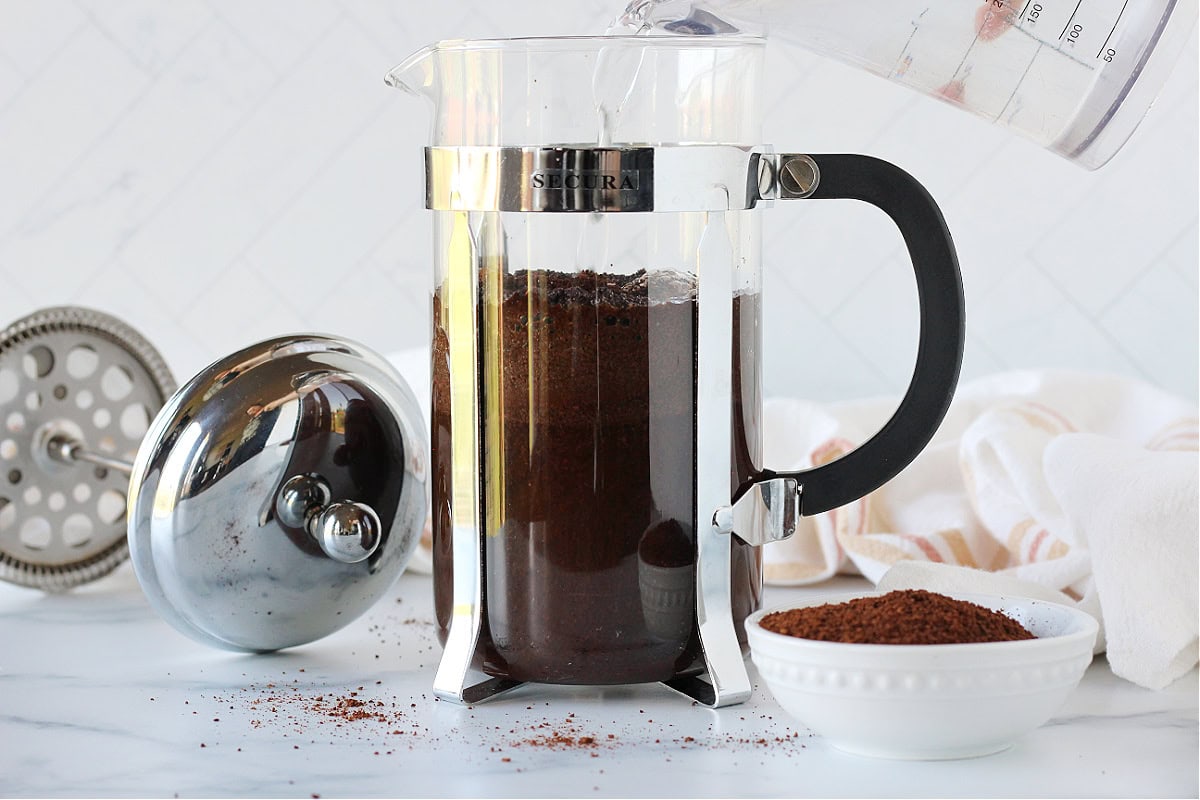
[
  {"x": 984, "y": 682},
  {"x": 911, "y": 616}
]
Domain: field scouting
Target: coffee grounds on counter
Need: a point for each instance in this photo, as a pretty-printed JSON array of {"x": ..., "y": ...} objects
[
  {"x": 911, "y": 616},
  {"x": 562, "y": 736}
]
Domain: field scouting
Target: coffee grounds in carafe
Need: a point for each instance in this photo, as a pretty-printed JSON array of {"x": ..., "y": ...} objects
[{"x": 590, "y": 552}]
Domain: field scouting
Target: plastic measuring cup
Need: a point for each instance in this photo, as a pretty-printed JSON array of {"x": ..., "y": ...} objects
[{"x": 1075, "y": 76}]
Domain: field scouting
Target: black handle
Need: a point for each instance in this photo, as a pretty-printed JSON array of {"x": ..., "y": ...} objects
[{"x": 939, "y": 351}]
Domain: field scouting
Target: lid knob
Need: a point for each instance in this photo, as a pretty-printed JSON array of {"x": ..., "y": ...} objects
[
  {"x": 346, "y": 531},
  {"x": 349, "y": 532}
]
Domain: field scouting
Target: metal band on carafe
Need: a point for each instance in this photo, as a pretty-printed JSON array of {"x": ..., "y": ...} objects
[{"x": 592, "y": 179}]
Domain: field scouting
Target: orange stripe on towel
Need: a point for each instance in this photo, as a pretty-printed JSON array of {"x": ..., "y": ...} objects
[
  {"x": 957, "y": 543},
  {"x": 1045, "y": 410},
  {"x": 1182, "y": 434},
  {"x": 926, "y": 546},
  {"x": 830, "y": 450},
  {"x": 1040, "y": 537},
  {"x": 1017, "y": 535}
]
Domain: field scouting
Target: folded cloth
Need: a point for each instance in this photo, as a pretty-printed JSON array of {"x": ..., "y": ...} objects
[{"x": 1060, "y": 485}]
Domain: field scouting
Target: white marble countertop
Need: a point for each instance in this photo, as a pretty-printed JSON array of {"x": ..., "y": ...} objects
[{"x": 99, "y": 697}]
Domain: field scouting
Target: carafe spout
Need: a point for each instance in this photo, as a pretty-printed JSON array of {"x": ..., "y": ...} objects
[{"x": 414, "y": 74}]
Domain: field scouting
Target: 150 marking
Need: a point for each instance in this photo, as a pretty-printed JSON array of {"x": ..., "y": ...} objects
[{"x": 1072, "y": 34}]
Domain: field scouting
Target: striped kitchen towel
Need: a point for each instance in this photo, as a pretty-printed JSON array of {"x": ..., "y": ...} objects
[{"x": 1081, "y": 485}]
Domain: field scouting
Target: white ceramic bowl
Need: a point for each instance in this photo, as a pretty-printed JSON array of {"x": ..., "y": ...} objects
[{"x": 931, "y": 701}]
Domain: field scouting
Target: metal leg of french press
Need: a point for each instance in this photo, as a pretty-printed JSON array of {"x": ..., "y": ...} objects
[
  {"x": 727, "y": 680},
  {"x": 456, "y": 678},
  {"x": 766, "y": 513}
]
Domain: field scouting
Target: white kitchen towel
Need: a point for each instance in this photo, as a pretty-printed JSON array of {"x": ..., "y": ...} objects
[
  {"x": 1139, "y": 522},
  {"x": 1079, "y": 484}
]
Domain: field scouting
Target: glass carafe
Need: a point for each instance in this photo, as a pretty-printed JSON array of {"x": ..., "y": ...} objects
[{"x": 598, "y": 489}]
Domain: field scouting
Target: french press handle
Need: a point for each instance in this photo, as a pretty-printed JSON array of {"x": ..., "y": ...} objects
[{"x": 940, "y": 346}]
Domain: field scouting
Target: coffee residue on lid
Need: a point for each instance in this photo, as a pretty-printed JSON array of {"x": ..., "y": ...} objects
[{"x": 910, "y": 616}]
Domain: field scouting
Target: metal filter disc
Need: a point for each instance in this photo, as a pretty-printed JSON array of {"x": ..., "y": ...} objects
[{"x": 84, "y": 374}]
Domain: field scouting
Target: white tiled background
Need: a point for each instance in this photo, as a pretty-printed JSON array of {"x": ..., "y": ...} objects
[{"x": 220, "y": 171}]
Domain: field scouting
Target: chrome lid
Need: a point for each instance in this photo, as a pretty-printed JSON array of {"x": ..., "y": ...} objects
[{"x": 279, "y": 493}]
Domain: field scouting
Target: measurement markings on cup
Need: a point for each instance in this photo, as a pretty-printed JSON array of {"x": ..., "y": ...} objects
[
  {"x": 1075, "y": 30},
  {"x": 1109, "y": 55}
]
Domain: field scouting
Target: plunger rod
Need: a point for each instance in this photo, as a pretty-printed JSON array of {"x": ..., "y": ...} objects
[{"x": 68, "y": 450}]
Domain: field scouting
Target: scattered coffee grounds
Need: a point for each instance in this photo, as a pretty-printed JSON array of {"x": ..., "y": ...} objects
[
  {"x": 911, "y": 616},
  {"x": 591, "y": 544},
  {"x": 566, "y": 736},
  {"x": 289, "y": 708},
  {"x": 312, "y": 720}
]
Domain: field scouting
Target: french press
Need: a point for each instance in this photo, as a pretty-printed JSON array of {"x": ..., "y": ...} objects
[{"x": 598, "y": 491}]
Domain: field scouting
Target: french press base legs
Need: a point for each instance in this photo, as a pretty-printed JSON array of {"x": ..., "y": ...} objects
[
  {"x": 700, "y": 688},
  {"x": 725, "y": 681},
  {"x": 695, "y": 687}
]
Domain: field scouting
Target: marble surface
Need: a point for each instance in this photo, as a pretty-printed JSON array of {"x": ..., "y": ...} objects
[{"x": 99, "y": 697}]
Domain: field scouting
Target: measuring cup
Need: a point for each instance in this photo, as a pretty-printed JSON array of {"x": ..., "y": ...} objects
[{"x": 1075, "y": 76}]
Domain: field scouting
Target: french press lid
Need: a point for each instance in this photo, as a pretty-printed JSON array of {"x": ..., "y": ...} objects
[{"x": 274, "y": 497}]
